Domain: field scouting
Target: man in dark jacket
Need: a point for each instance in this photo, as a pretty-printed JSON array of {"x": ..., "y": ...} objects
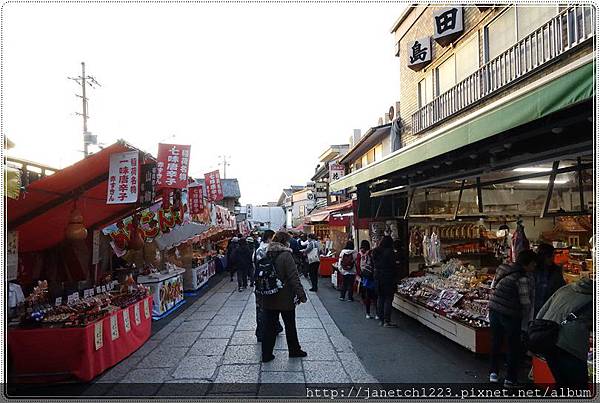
[
  {"x": 241, "y": 258},
  {"x": 284, "y": 301},
  {"x": 231, "y": 246},
  {"x": 386, "y": 278},
  {"x": 548, "y": 276},
  {"x": 509, "y": 302}
]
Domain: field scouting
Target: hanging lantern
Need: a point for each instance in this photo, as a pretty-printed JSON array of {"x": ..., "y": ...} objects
[{"x": 75, "y": 230}]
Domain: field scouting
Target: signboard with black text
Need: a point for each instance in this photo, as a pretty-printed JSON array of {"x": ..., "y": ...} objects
[
  {"x": 419, "y": 53},
  {"x": 447, "y": 24}
]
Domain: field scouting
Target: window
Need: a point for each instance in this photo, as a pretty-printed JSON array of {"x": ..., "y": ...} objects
[
  {"x": 467, "y": 57},
  {"x": 501, "y": 34},
  {"x": 426, "y": 90},
  {"x": 364, "y": 161},
  {"x": 514, "y": 25},
  {"x": 379, "y": 152},
  {"x": 446, "y": 75},
  {"x": 371, "y": 155}
]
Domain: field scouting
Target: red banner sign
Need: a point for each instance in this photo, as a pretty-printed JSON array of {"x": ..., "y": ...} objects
[
  {"x": 172, "y": 166},
  {"x": 213, "y": 186},
  {"x": 195, "y": 200}
]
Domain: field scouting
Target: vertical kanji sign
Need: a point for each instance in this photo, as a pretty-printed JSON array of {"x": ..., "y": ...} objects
[
  {"x": 123, "y": 178},
  {"x": 195, "y": 200},
  {"x": 213, "y": 186},
  {"x": 172, "y": 166}
]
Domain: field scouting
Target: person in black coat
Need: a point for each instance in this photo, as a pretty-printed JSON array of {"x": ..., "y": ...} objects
[
  {"x": 548, "y": 276},
  {"x": 386, "y": 278},
  {"x": 241, "y": 259}
]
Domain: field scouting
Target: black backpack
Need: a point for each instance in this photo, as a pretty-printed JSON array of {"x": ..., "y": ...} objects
[{"x": 266, "y": 281}]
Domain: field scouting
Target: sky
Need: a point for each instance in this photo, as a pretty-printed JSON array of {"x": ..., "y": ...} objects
[{"x": 271, "y": 86}]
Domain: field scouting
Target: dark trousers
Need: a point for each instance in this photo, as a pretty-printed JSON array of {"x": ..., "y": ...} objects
[
  {"x": 270, "y": 320},
  {"x": 347, "y": 283},
  {"x": 251, "y": 275},
  {"x": 509, "y": 327},
  {"x": 242, "y": 277},
  {"x": 369, "y": 296},
  {"x": 567, "y": 369},
  {"x": 313, "y": 272},
  {"x": 260, "y": 323},
  {"x": 385, "y": 297}
]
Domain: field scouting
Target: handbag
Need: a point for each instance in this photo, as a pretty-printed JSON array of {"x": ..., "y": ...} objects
[
  {"x": 542, "y": 334},
  {"x": 313, "y": 255}
]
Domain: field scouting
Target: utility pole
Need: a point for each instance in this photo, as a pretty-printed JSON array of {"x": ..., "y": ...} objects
[
  {"x": 225, "y": 164},
  {"x": 84, "y": 80}
]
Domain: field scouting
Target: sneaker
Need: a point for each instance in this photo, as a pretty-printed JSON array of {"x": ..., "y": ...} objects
[
  {"x": 376, "y": 317},
  {"x": 368, "y": 316},
  {"x": 312, "y": 289},
  {"x": 298, "y": 354},
  {"x": 268, "y": 359},
  {"x": 350, "y": 299},
  {"x": 341, "y": 299},
  {"x": 390, "y": 324},
  {"x": 240, "y": 289},
  {"x": 509, "y": 384},
  {"x": 494, "y": 377}
]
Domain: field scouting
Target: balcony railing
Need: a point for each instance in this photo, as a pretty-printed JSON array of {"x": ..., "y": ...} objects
[{"x": 562, "y": 33}]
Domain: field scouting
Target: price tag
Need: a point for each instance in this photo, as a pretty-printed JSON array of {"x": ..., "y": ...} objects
[
  {"x": 136, "y": 314},
  {"x": 103, "y": 288},
  {"x": 126, "y": 320},
  {"x": 114, "y": 327},
  {"x": 98, "y": 335},
  {"x": 75, "y": 296},
  {"x": 98, "y": 290},
  {"x": 58, "y": 301},
  {"x": 146, "y": 309}
]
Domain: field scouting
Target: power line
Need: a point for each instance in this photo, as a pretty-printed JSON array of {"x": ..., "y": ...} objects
[{"x": 84, "y": 81}]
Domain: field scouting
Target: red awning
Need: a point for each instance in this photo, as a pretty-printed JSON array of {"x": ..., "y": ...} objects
[
  {"x": 42, "y": 212},
  {"x": 322, "y": 214}
]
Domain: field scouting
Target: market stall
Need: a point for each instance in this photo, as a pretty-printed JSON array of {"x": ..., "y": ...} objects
[
  {"x": 80, "y": 338},
  {"x": 166, "y": 289}
]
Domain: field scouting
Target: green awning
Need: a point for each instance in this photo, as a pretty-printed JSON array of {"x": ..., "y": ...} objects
[{"x": 567, "y": 90}]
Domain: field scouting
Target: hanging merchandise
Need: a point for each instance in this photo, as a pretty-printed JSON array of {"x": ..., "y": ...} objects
[
  {"x": 427, "y": 249},
  {"x": 136, "y": 235},
  {"x": 435, "y": 249},
  {"x": 519, "y": 240},
  {"x": 75, "y": 229}
]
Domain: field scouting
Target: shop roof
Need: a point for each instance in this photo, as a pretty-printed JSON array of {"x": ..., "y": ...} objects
[
  {"x": 323, "y": 214},
  {"x": 42, "y": 212},
  {"x": 180, "y": 235},
  {"x": 231, "y": 188}
]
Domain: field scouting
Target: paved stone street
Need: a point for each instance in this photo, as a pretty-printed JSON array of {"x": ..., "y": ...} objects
[{"x": 211, "y": 345}]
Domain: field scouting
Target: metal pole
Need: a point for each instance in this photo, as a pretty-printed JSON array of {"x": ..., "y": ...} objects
[
  {"x": 550, "y": 189},
  {"x": 84, "y": 100}
]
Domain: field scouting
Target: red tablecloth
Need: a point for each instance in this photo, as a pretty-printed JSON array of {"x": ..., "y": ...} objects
[
  {"x": 325, "y": 266},
  {"x": 50, "y": 355}
]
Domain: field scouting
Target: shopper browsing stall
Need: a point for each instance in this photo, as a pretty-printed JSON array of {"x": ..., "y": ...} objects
[
  {"x": 548, "y": 276},
  {"x": 510, "y": 301},
  {"x": 365, "y": 271},
  {"x": 347, "y": 268},
  {"x": 312, "y": 252},
  {"x": 386, "y": 278}
]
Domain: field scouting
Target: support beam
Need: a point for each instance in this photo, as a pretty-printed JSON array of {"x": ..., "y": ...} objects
[
  {"x": 582, "y": 207},
  {"x": 410, "y": 200},
  {"x": 550, "y": 189},
  {"x": 460, "y": 192},
  {"x": 479, "y": 196}
]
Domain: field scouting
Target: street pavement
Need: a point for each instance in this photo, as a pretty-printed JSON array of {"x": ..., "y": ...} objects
[{"x": 210, "y": 349}]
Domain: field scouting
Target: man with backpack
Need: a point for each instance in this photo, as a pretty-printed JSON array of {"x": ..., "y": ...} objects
[
  {"x": 259, "y": 255},
  {"x": 510, "y": 301},
  {"x": 279, "y": 284},
  {"x": 347, "y": 268},
  {"x": 312, "y": 252}
]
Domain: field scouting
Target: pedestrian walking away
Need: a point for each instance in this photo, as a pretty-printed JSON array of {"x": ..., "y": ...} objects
[
  {"x": 231, "y": 247},
  {"x": 365, "y": 272},
  {"x": 347, "y": 268},
  {"x": 313, "y": 253},
  {"x": 284, "y": 301},
  {"x": 386, "y": 278},
  {"x": 260, "y": 254},
  {"x": 242, "y": 262},
  {"x": 510, "y": 301},
  {"x": 568, "y": 359}
]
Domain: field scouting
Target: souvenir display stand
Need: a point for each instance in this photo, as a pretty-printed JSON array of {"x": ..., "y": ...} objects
[
  {"x": 81, "y": 353},
  {"x": 166, "y": 290},
  {"x": 197, "y": 277}
]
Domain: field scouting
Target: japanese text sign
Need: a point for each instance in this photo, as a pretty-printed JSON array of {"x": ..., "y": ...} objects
[
  {"x": 123, "y": 178},
  {"x": 195, "y": 199},
  {"x": 419, "y": 52},
  {"x": 448, "y": 21},
  {"x": 213, "y": 186},
  {"x": 172, "y": 166}
]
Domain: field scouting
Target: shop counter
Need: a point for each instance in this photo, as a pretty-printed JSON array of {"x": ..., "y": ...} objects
[
  {"x": 326, "y": 266},
  {"x": 474, "y": 339},
  {"x": 195, "y": 278},
  {"x": 167, "y": 291},
  {"x": 79, "y": 353}
]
